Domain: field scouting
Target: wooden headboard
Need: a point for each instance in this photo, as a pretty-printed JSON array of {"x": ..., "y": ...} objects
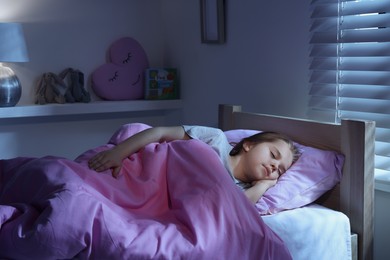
[{"x": 354, "y": 196}]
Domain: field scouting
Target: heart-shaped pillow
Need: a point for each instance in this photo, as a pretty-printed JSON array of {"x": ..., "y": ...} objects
[{"x": 123, "y": 77}]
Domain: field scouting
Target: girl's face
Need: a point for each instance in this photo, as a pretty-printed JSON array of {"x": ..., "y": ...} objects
[{"x": 266, "y": 161}]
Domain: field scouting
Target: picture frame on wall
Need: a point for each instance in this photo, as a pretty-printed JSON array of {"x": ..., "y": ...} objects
[{"x": 212, "y": 17}]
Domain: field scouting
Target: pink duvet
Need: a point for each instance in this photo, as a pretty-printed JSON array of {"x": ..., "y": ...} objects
[{"x": 172, "y": 201}]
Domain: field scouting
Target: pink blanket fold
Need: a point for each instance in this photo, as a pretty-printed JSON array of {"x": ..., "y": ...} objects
[{"x": 172, "y": 201}]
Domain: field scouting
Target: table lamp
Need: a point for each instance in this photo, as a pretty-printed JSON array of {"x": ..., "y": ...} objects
[{"x": 12, "y": 49}]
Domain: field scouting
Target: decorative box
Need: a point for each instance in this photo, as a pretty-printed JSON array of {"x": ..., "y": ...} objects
[{"x": 161, "y": 83}]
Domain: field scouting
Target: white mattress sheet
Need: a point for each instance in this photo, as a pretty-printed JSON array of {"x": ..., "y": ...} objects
[{"x": 313, "y": 232}]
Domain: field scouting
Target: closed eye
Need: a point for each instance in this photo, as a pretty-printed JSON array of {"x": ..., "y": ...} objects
[
  {"x": 114, "y": 77},
  {"x": 277, "y": 156},
  {"x": 128, "y": 59},
  {"x": 275, "y": 153}
]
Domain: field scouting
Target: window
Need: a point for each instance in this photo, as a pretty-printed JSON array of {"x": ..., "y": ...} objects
[{"x": 350, "y": 68}]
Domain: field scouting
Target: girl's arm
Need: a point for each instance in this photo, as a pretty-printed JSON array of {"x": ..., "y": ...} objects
[
  {"x": 255, "y": 192},
  {"x": 112, "y": 159}
]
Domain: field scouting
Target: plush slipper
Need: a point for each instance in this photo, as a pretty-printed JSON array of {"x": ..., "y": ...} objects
[
  {"x": 74, "y": 79},
  {"x": 50, "y": 89}
]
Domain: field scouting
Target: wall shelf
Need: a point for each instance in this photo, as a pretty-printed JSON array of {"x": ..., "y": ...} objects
[{"x": 95, "y": 107}]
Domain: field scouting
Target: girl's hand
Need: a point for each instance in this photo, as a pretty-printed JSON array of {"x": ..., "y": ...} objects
[
  {"x": 258, "y": 188},
  {"x": 266, "y": 184},
  {"x": 112, "y": 159},
  {"x": 105, "y": 160}
]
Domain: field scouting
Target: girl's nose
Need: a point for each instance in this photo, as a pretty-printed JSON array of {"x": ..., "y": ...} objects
[{"x": 275, "y": 165}]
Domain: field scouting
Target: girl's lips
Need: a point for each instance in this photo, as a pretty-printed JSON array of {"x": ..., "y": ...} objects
[{"x": 267, "y": 170}]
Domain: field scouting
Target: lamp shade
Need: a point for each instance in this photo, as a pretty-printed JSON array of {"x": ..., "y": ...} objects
[{"x": 12, "y": 43}]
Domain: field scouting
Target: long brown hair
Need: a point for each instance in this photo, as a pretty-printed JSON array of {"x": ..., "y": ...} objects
[{"x": 263, "y": 137}]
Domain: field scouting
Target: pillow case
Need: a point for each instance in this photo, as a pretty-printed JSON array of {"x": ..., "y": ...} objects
[{"x": 315, "y": 172}]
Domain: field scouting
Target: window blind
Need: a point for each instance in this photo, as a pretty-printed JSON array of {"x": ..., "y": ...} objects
[{"x": 350, "y": 66}]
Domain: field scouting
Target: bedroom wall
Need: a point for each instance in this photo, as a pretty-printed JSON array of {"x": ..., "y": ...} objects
[
  {"x": 262, "y": 65},
  {"x": 73, "y": 33},
  {"x": 382, "y": 228}
]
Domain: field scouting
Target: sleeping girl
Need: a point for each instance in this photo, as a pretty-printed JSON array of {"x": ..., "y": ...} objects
[{"x": 255, "y": 163}]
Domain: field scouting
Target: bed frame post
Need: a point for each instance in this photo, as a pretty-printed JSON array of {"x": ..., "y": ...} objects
[
  {"x": 225, "y": 117},
  {"x": 358, "y": 146}
]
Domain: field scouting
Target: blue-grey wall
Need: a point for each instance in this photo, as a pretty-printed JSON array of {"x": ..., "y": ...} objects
[{"x": 263, "y": 64}]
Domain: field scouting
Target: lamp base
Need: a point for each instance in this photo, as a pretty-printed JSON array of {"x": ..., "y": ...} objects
[{"x": 10, "y": 88}]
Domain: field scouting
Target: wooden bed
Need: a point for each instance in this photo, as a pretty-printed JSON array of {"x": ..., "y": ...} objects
[{"x": 354, "y": 196}]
